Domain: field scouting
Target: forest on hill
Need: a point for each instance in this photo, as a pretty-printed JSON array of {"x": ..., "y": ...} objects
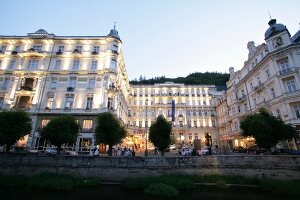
[{"x": 197, "y": 78}]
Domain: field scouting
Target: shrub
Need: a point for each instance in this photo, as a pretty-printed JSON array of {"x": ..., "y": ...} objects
[
  {"x": 222, "y": 185},
  {"x": 12, "y": 181},
  {"x": 280, "y": 186},
  {"x": 161, "y": 189},
  {"x": 52, "y": 181},
  {"x": 178, "y": 182},
  {"x": 88, "y": 182}
]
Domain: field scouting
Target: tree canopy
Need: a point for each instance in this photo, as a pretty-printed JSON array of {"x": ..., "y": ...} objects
[
  {"x": 206, "y": 78},
  {"x": 109, "y": 130},
  {"x": 266, "y": 129},
  {"x": 160, "y": 133},
  {"x": 61, "y": 130},
  {"x": 14, "y": 126}
]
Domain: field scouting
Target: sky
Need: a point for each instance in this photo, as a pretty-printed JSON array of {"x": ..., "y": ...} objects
[{"x": 169, "y": 38}]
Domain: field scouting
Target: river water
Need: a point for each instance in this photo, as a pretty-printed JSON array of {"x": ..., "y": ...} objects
[{"x": 119, "y": 193}]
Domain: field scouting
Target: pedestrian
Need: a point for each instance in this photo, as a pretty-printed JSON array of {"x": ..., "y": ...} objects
[
  {"x": 96, "y": 152},
  {"x": 133, "y": 153},
  {"x": 119, "y": 152}
]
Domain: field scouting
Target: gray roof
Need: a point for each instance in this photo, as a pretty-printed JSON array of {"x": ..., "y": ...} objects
[
  {"x": 296, "y": 37},
  {"x": 114, "y": 33},
  {"x": 274, "y": 29}
]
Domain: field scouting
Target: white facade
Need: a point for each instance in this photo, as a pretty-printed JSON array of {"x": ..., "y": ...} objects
[{"x": 270, "y": 79}]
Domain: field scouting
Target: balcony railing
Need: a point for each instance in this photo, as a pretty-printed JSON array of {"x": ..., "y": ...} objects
[
  {"x": 259, "y": 87},
  {"x": 26, "y": 88},
  {"x": 288, "y": 71},
  {"x": 77, "y": 51},
  {"x": 294, "y": 93},
  {"x": 86, "y": 130},
  {"x": 70, "y": 89}
]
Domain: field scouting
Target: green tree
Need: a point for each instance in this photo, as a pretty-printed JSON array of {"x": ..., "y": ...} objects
[
  {"x": 61, "y": 130},
  {"x": 14, "y": 126},
  {"x": 266, "y": 129},
  {"x": 160, "y": 134},
  {"x": 109, "y": 130}
]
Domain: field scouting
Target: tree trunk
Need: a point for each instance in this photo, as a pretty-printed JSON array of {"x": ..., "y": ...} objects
[
  {"x": 162, "y": 152},
  {"x": 109, "y": 152}
]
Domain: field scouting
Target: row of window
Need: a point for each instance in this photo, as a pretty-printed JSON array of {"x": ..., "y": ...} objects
[
  {"x": 60, "y": 49},
  {"x": 33, "y": 64},
  {"x": 179, "y": 102},
  {"x": 86, "y": 125},
  {"x": 73, "y": 82}
]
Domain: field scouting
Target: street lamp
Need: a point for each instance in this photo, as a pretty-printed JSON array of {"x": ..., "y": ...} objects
[{"x": 146, "y": 127}]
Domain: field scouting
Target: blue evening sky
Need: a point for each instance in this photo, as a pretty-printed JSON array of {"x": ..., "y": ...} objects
[{"x": 160, "y": 37}]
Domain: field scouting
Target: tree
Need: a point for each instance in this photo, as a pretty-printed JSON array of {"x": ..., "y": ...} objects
[
  {"x": 109, "y": 130},
  {"x": 61, "y": 130},
  {"x": 266, "y": 129},
  {"x": 160, "y": 134},
  {"x": 14, "y": 126}
]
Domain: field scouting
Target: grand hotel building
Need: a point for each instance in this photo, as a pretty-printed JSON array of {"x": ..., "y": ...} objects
[{"x": 49, "y": 75}]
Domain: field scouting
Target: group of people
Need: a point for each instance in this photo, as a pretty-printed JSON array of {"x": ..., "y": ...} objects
[
  {"x": 124, "y": 151},
  {"x": 121, "y": 151}
]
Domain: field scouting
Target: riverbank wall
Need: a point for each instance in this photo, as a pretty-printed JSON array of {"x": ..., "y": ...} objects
[{"x": 118, "y": 168}]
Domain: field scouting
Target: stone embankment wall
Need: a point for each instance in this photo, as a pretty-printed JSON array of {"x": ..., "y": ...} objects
[{"x": 118, "y": 168}]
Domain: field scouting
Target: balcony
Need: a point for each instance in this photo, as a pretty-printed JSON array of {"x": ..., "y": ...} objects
[
  {"x": 114, "y": 52},
  {"x": 70, "y": 89},
  {"x": 293, "y": 94},
  {"x": 59, "y": 52},
  {"x": 14, "y": 53},
  {"x": 288, "y": 71},
  {"x": 34, "y": 52},
  {"x": 26, "y": 88},
  {"x": 259, "y": 87},
  {"x": 77, "y": 51},
  {"x": 243, "y": 98},
  {"x": 86, "y": 130}
]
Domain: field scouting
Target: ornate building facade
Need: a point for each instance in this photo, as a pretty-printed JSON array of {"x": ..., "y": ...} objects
[{"x": 269, "y": 79}]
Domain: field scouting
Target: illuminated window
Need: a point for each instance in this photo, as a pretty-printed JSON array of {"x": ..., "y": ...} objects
[
  {"x": 44, "y": 122},
  {"x": 50, "y": 102},
  {"x": 87, "y": 124}
]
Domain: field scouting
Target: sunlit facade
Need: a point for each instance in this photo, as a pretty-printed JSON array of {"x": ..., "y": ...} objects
[
  {"x": 194, "y": 113},
  {"x": 269, "y": 79},
  {"x": 49, "y": 75}
]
